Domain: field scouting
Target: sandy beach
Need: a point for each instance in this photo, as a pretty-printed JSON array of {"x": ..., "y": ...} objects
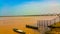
[{"x": 8, "y": 23}]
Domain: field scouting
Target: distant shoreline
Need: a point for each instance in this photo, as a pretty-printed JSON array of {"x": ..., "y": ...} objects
[{"x": 30, "y": 15}]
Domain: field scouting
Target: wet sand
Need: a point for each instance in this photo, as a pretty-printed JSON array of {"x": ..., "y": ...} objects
[{"x": 8, "y": 23}]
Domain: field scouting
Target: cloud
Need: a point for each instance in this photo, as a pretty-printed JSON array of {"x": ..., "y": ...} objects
[{"x": 37, "y": 8}]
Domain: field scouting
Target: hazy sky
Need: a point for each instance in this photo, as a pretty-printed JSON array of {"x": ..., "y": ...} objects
[{"x": 28, "y": 7}]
